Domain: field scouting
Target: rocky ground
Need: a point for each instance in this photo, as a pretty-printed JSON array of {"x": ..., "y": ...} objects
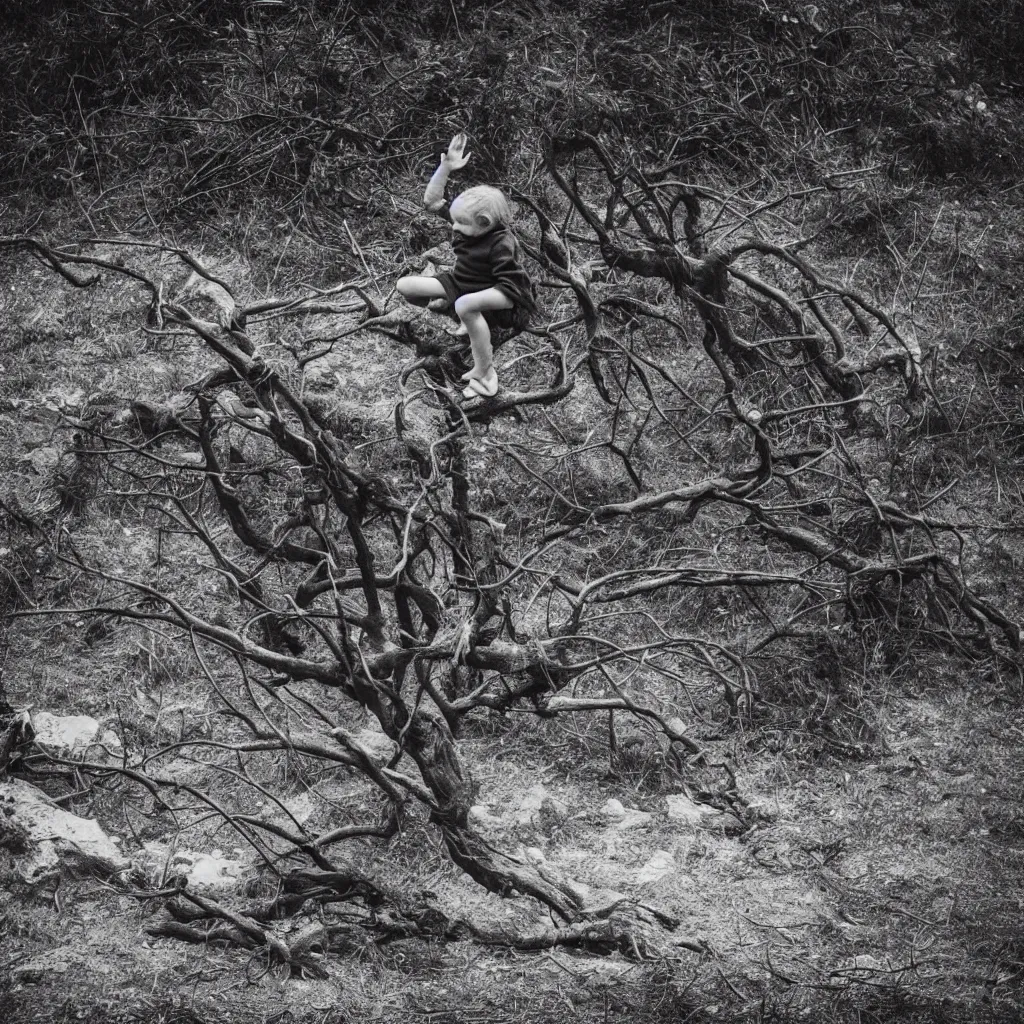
[{"x": 889, "y": 886}]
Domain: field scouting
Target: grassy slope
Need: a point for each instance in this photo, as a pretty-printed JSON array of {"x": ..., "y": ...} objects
[{"x": 909, "y": 857}]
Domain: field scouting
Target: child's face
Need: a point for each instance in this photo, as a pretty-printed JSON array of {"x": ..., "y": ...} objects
[{"x": 465, "y": 222}]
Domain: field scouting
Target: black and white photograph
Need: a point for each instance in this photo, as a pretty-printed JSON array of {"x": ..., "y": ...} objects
[{"x": 511, "y": 512}]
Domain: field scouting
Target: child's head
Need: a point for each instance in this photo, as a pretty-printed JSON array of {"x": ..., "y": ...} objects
[{"x": 479, "y": 209}]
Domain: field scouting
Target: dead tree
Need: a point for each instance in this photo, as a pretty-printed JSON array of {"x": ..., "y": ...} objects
[{"x": 409, "y": 586}]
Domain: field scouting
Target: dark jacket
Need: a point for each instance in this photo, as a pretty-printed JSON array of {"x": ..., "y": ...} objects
[{"x": 492, "y": 260}]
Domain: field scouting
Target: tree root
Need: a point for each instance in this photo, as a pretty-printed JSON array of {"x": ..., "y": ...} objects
[
  {"x": 633, "y": 933},
  {"x": 633, "y": 930}
]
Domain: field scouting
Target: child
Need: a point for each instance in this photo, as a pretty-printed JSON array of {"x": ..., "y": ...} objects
[{"x": 487, "y": 277}]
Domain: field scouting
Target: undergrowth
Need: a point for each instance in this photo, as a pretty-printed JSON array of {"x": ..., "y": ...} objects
[
  {"x": 219, "y": 109},
  {"x": 276, "y": 135}
]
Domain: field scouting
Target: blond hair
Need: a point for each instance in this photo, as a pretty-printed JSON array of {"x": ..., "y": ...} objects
[{"x": 487, "y": 202}]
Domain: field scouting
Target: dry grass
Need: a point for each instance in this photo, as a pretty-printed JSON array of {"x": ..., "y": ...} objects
[
  {"x": 879, "y": 879},
  {"x": 879, "y": 884}
]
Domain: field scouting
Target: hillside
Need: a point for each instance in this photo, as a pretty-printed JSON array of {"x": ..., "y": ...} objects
[{"x": 680, "y": 680}]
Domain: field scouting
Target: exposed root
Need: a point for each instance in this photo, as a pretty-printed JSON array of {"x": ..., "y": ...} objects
[{"x": 637, "y": 932}]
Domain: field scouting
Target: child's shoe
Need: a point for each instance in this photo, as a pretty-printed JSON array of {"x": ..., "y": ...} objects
[{"x": 485, "y": 387}]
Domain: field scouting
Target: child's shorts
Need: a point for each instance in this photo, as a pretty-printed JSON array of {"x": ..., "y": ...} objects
[{"x": 514, "y": 319}]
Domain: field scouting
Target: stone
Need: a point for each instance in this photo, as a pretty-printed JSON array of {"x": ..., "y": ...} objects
[
  {"x": 622, "y": 818},
  {"x": 660, "y": 864},
  {"x": 210, "y": 871},
  {"x": 633, "y": 819},
  {"x": 376, "y": 742},
  {"x": 537, "y": 804},
  {"x": 481, "y": 817},
  {"x": 682, "y": 808},
  {"x": 44, "y": 836},
  {"x": 601, "y": 902},
  {"x": 613, "y": 809},
  {"x": 74, "y": 736}
]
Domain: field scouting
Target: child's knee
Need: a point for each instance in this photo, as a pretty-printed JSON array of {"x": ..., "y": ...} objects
[
  {"x": 407, "y": 286},
  {"x": 465, "y": 305}
]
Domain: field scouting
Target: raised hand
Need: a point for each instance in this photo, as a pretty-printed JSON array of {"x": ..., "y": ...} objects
[{"x": 456, "y": 157}]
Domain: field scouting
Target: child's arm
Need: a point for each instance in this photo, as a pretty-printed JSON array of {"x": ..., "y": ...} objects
[
  {"x": 453, "y": 160},
  {"x": 510, "y": 277}
]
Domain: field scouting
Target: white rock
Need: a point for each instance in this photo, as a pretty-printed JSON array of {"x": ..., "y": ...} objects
[
  {"x": 213, "y": 870},
  {"x": 601, "y": 902},
  {"x": 613, "y": 809},
  {"x": 862, "y": 964},
  {"x": 534, "y": 854},
  {"x": 632, "y": 819},
  {"x": 73, "y": 735},
  {"x": 536, "y": 798},
  {"x": 49, "y": 835},
  {"x": 662, "y": 863},
  {"x": 682, "y": 808},
  {"x": 481, "y": 816},
  {"x": 210, "y": 872},
  {"x": 376, "y": 742}
]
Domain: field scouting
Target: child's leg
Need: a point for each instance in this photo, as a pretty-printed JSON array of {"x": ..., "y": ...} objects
[
  {"x": 470, "y": 310},
  {"x": 419, "y": 289}
]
